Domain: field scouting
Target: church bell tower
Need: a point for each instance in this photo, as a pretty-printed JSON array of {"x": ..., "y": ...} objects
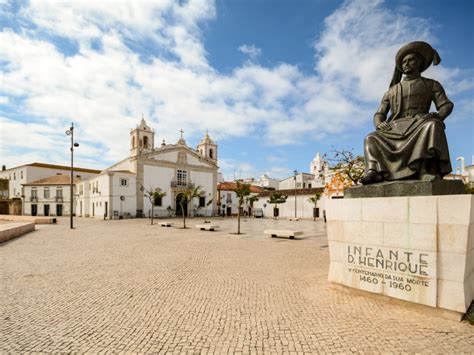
[
  {"x": 142, "y": 139},
  {"x": 207, "y": 148}
]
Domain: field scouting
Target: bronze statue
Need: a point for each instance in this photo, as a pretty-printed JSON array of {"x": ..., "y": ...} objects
[{"x": 410, "y": 143}]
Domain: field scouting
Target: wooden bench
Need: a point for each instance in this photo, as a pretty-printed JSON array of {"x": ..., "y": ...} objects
[
  {"x": 207, "y": 226},
  {"x": 282, "y": 233},
  {"x": 166, "y": 224}
]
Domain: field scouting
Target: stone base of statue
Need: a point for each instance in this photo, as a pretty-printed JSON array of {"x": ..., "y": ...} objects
[
  {"x": 414, "y": 248},
  {"x": 407, "y": 188}
]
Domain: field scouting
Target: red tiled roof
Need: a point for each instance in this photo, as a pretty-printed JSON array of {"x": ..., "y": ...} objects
[
  {"x": 55, "y": 180},
  {"x": 231, "y": 186}
]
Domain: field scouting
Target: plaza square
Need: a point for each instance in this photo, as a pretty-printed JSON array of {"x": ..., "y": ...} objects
[{"x": 128, "y": 286}]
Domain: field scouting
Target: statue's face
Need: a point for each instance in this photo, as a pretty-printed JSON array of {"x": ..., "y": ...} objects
[{"x": 411, "y": 64}]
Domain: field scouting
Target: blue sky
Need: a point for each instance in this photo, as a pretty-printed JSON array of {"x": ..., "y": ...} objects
[{"x": 273, "y": 81}]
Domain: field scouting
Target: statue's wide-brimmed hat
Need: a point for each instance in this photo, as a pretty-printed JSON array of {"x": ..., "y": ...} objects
[{"x": 423, "y": 49}]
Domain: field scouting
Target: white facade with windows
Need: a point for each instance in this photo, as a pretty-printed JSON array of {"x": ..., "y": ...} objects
[
  {"x": 120, "y": 190},
  {"x": 49, "y": 196},
  {"x": 107, "y": 196},
  {"x": 303, "y": 181},
  {"x": 24, "y": 174},
  {"x": 229, "y": 201}
]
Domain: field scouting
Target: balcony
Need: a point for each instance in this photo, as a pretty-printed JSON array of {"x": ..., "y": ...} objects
[
  {"x": 59, "y": 199},
  {"x": 34, "y": 198},
  {"x": 182, "y": 184}
]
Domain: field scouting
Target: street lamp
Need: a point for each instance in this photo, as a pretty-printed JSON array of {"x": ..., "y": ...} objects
[
  {"x": 295, "y": 172},
  {"x": 70, "y": 132}
]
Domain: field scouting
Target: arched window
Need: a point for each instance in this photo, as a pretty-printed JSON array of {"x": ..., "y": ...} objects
[
  {"x": 211, "y": 154},
  {"x": 145, "y": 142},
  {"x": 140, "y": 143},
  {"x": 133, "y": 142}
]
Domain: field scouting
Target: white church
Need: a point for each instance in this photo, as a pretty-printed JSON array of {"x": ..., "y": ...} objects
[{"x": 120, "y": 190}]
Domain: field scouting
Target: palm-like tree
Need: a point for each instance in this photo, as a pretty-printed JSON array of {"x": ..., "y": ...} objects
[
  {"x": 314, "y": 200},
  {"x": 186, "y": 197},
  {"x": 242, "y": 190},
  {"x": 207, "y": 205},
  {"x": 154, "y": 195},
  {"x": 275, "y": 199}
]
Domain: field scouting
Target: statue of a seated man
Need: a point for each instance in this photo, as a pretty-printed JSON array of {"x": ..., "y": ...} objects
[{"x": 410, "y": 143}]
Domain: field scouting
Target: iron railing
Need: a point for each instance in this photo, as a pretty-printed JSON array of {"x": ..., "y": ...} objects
[{"x": 182, "y": 184}]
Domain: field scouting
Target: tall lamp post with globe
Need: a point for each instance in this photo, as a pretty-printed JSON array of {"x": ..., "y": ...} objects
[{"x": 70, "y": 132}]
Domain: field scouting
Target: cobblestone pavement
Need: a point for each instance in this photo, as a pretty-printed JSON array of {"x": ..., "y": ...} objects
[{"x": 126, "y": 286}]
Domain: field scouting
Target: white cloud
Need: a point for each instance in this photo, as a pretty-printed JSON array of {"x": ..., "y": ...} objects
[
  {"x": 105, "y": 91},
  {"x": 252, "y": 51}
]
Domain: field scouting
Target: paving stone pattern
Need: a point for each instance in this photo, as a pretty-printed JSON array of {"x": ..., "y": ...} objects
[{"x": 126, "y": 286}]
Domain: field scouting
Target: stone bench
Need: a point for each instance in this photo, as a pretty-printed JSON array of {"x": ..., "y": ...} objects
[
  {"x": 282, "y": 233},
  {"x": 207, "y": 226},
  {"x": 293, "y": 219},
  {"x": 12, "y": 230},
  {"x": 30, "y": 219},
  {"x": 166, "y": 224}
]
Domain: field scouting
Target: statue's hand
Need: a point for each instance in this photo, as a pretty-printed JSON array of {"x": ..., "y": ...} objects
[
  {"x": 384, "y": 126},
  {"x": 434, "y": 115}
]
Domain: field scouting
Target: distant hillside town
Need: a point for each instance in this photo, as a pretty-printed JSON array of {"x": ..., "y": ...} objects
[{"x": 120, "y": 191}]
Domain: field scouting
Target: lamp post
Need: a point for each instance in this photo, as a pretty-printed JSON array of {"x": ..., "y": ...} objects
[
  {"x": 70, "y": 132},
  {"x": 295, "y": 172}
]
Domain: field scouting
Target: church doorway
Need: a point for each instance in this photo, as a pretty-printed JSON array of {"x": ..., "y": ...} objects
[{"x": 178, "y": 210}]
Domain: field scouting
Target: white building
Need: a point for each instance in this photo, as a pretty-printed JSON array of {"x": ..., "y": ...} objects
[
  {"x": 110, "y": 194},
  {"x": 120, "y": 190},
  {"x": 300, "y": 181},
  {"x": 24, "y": 174},
  {"x": 49, "y": 196},
  {"x": 267, "y": 182},
  {"x": 229, "y": 202},
  {"x": 304, "y": 208}
]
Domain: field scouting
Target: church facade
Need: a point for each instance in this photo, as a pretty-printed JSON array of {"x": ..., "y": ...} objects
[{"x": 120, "y": 190}]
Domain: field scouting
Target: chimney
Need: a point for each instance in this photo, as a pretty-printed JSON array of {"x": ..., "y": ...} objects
[{"x": 4, "y": 167}]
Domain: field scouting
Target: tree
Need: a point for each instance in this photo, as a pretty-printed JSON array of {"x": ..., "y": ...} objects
[
  {"x": 154, "y": 195},
  {"x": 275, "y": 199},
  {"x": 251, "y": 199},
  {"x": 351, "y": 166},
  {"x": 469, "y": 188},
  {"x": 242, "y": 190},
  {"x": 207, "y": 205},
  {"x": 186, "y": 197},
  {"x": 314, "y": 200}
]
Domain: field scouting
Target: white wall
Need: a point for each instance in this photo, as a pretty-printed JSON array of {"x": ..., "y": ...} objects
[
  {"x": 33, "y": 173},
  {"x": 168, "y": 156},
  {"x": 304, "y": 208},
  {"x": 234, "y": 202},
  {"x": 158, "y": 177},
  {"x": 98, "y": 195},
  {"x": 161, "y": 177},
  {"x": 129, "y": 205},
  {"x": 302, "y": 182},
  {"x": 51, "y": 201},
  {"x": 195, "y": 161},
  {"x": 125, "y": 164}
]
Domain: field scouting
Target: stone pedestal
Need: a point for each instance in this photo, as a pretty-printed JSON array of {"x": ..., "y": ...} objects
[{"x": 418, "y": 249}]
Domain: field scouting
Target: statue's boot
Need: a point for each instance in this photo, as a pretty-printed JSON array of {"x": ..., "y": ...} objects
[{"x": 371, "y": 177}]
